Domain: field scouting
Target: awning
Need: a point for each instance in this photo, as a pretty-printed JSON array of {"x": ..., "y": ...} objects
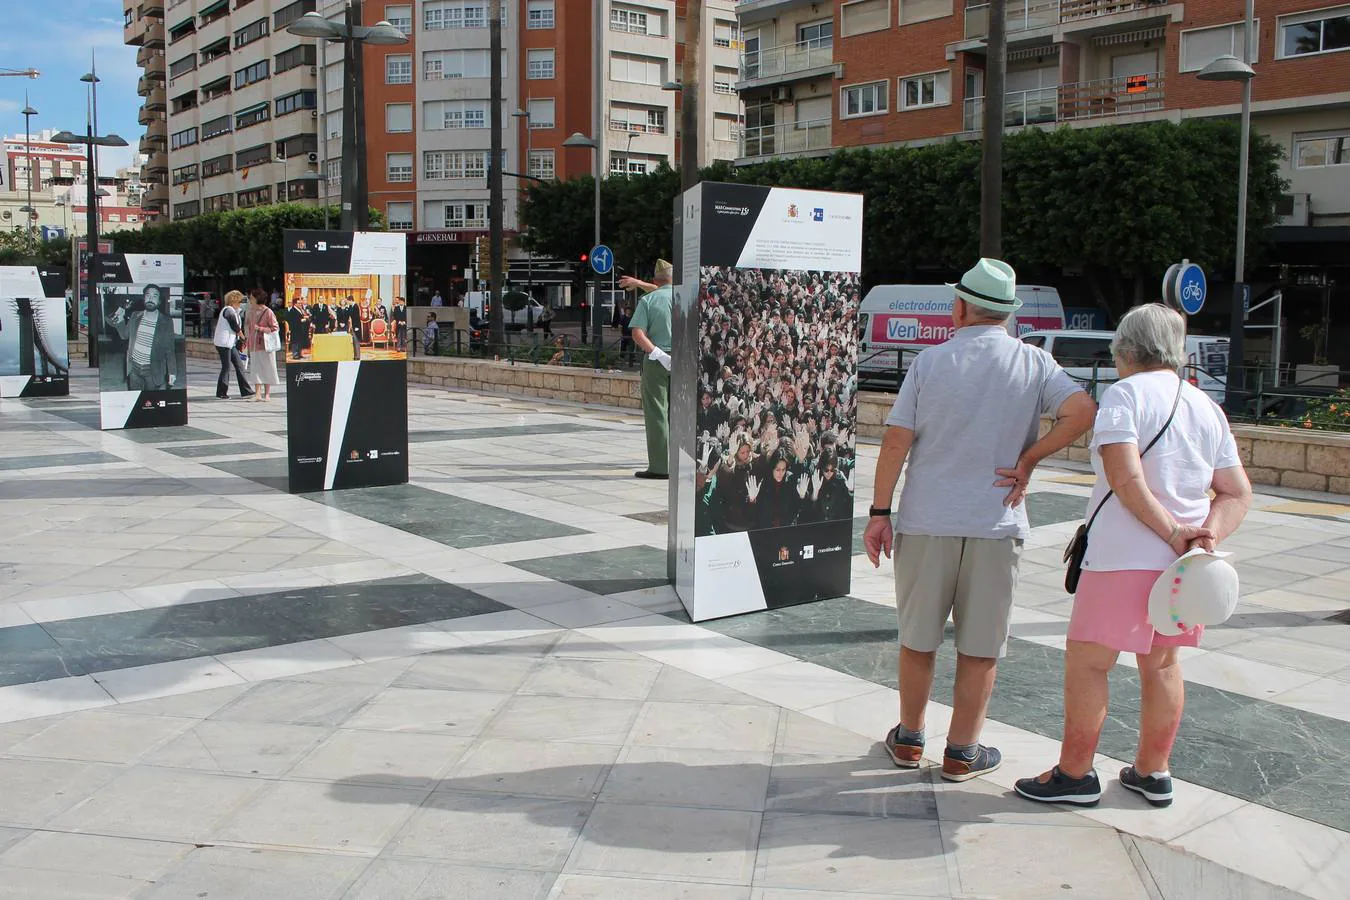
[
  {"x": 214, "y": 7},
  {"x": 223, "y": 81},
  {"x": 251, "y": 109},
  {"x": 190, "y": 20}
]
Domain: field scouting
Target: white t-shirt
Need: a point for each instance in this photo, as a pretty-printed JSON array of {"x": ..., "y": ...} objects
[{"x": 1178, "y": 470}]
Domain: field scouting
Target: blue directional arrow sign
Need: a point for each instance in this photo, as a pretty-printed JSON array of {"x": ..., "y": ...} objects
[{"x": 602, "y": 259}]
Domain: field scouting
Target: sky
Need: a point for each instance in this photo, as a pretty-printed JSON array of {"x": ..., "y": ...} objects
[{"x": 56, "y": 39}]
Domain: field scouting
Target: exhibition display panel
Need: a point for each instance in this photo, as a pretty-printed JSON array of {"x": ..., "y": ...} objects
[{"x": 34, "y": 355}]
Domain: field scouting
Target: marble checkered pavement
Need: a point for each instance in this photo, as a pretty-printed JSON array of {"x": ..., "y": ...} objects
[{"x": 480, "y": 685}]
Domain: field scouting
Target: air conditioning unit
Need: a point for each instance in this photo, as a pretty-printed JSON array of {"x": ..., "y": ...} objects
[
  {"x": 314, "y": 70},
  {"x": 782, "y": 94},
  {"x": 313, "y": 157},
  {"x": 1295, "y": 209},
  {"x": 313, "y": 113}
]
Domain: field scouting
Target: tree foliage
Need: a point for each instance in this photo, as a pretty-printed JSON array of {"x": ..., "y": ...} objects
[
  {"x": 1119, "y": 203},
  {"x": 24, "y": 248}
]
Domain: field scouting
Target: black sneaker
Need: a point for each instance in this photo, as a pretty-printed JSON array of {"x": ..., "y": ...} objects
[
  {"x": 1157, "y": 791},
  {"x": 958, "y": 768},
  {"x": 1060, "y": 788},
  {"x": 648, "y": 473},
  {"x": 907, "y": 754}
]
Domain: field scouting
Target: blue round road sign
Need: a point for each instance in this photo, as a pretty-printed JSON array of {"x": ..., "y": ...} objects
[
  {"x": 1191, "y": 288},
  {"x": 602, "y": 259}
]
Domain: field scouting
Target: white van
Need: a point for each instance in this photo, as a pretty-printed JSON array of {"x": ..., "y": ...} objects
[
  {"x": 1086, "y": 355},
  {"x": 910, "y": 317}
]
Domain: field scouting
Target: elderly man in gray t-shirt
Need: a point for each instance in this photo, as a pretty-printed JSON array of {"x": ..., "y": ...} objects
[{"x": 967, "y": 417}]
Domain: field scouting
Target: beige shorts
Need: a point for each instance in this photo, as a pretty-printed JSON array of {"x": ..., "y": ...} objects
[{"x": 970, "y": 579}]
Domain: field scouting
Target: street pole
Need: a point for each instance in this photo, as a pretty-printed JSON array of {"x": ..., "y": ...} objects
[
  {"x": 1235, "y": 396},
  {"x": 28, "y": 113},
  {"x": 355, "y": 213},
  {"x": 496, "y": 323},
  {"x": 689, "y": 111},
  {"x": 323, "y": 122},
  {"x": 598, "y": 131},
  {"x": 991, "y": 162},
  {"x": 91, "y": 243}
]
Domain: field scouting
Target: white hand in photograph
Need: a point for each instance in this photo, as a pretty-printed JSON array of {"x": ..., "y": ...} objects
[
  {"x": 723, "y": 432},
  {"x": 802, "y": 484},
  {"x": 849, "y": 481},
  {"x": 752, "y": 488},
  {"x": 816, "y": 482}
]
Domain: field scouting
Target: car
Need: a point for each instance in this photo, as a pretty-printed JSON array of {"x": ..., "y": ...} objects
[{"x": 1086, "y": 355}]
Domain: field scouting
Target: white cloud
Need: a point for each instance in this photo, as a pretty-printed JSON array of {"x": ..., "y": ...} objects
[{"x": 9, "y": 106}]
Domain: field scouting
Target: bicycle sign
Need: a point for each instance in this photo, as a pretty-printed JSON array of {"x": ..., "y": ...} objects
[{"x": 1184, "y": 287}]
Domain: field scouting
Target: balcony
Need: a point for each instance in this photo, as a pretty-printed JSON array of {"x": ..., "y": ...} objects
[
  {"x": 151, "y": 143},
  {"x": 1104, "y": 98},
  {"x": 636, "y": 127},
  {"x": 152, "y": 33},
  {"x": 149, "y": 117},
  {"x": 1024, "y": 15},
  {"x": 150, "y": 58},
  {"x": 790, "y": 62},
  {"x": 748, "y": 11},
  {"x": 157, "y": 162},
  {"x": 155, "y": 192},
  {"x": 787, "y": 139},
  {"x": 155, "y": 101}
]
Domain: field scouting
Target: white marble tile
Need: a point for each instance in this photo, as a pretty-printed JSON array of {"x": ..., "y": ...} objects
[
  {"x": 12, "y": 615},
  {"x": 587, "y": 612},
  {"x": 166, "y": 679},
  {"x": 491, "y": 628},
  {"x": 155, "y": 596},
  {"x": 687, "y": 647},
  {"x": 56, "y": 609},
  {"x": 48, "y": 698},
  {"x": 395, "y": 643},
  {"x": 1326, "y": 696},
  {"x": 1244, "y": 676},
  {"x": 871, "y": 714},
  {"x": 287, "y": 659},
  {"x": 798, "y": 685}
]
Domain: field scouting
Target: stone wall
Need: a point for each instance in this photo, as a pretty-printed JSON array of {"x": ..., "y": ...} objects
[{"x": 557, "y": 382}]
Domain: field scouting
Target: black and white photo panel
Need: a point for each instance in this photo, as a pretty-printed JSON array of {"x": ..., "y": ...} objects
[
  {"x": 34, "y": 351},
  {"x": 141, "y": 346},
  {"x": 346, "y": 424}
]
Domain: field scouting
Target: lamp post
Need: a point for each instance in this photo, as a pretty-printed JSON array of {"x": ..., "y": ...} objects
[
  {"x": 355, "y": 213},
  {"x": 1230, "y": 68},
  {"x": 580, "y": 140},
  {"x": 91, "y": 140},
  {"x": 28, "y": 113},
  {"x": 524, "y": 116}
]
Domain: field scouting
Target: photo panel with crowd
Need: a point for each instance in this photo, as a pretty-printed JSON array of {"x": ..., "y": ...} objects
[
  {"x": 777, "y": 398},
  {"x": 141, "y": 346},
  {"x": 334, "y": 317}
]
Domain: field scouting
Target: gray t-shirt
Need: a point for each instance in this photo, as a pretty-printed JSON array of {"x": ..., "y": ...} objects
[{"x": 974, "y": 404}]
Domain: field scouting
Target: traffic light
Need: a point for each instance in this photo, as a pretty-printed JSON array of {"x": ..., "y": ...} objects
[{"x": 585, "y": 257}]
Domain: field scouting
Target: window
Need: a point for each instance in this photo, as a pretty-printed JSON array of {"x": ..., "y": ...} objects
[
  {"x": 183, "y": 66},
  {"x": 301, "y": 190},
  {"x": 256, "y": 197},
  {"x": 297, "y": 144},
  {"x": 182, "y": 30},
  {"x": 863, "y": 100},
  {"x": 186, "y": 210},
  {"x": 1315, "y": 152},
  {"x": 215, "y": 12},
  {"x": 399, "y": 215},
  {"x": 398, "y": 117},
  {"x": 636, "y": 21},
  {"x": 397, "y": 69},
  {"x": 539, "y": 14},
  {"x": 250, "y": 33},
  {"x": 817, "y": 34},
  {"x": 219, "y": 203},
  {"x": 218, "y": 88},
  {"x": 724, "y": 80},
  {"x": 539, "y": 65},
  {"x": 215, "y": 127},
  {"x": 1081, "y": 351},
  {"x": 185, "y": 102},
  {"x": 541, "y": 164},
  {"x": 398, "y": 167},
  {"x": 400, "y": 17},
  {"x": 442, "y": 165},
  {"x": 296, "y": 56},
  {"x": 726, "y": 33},
  {"x": 541, "y": 113},
  {"x": 912, "y": 11},
  {"x": 622, "y": 164},
  {"x": 1318, "y": 32},
  {"x": 1035, "y": 341},
  {"x": 862, "y": 16},
  {"x": 290, "y": 12},
  {"x": 333, "y": 172},
  {"x": 726, "y": 127},
  {"x": 217, "y": 166},
  {"x": 185, "y": 138},
  {"x": 464, "y": 215},
  {"x": 213, "y": 52},
  {"x": 446, "y": 64},
  {"x": 1202, "y": 46},
  {"x": 812, "y": 109},
  {"x": 438, "y": 15},
  {"x": 184, "y": 174},
  {"x": 298, "y": 100},
  {"x": 647, "y": 119},
  {"x": 919, "y": 91},
  {"x": 251, "y": 74},
  {"x": 253, "y": 156},
  {"x": 450, "y": 114},
  {"x": 637, "y": 69},
  {"x": 251, "y": 116}
]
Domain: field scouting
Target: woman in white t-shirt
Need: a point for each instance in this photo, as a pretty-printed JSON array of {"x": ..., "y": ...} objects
[{"x": 1160, "y": 509}]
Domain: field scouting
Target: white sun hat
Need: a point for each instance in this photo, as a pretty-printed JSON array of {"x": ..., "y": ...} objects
[
  {"x": 990, "y": 283},
  {"x": 1200, "y": 588}
]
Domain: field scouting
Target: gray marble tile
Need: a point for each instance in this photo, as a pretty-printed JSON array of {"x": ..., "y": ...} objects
[
  {"x": 500, "y": 431},
  {"x": 1049, "y": 508},
  {"x": 168, "y": 435},
  {"x": 604, "y": 571},
  {"x": 1320, "y": 796},
  {"x": 848, "y": 785},
  {"x": 220, "y": 448},
  {"x": 271, "y": 473},
  {"x": 49, "y": 460},
  {"x": 28, "y": 654}
]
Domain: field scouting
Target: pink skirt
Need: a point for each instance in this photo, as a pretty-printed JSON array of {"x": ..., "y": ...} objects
[{"x": 1111, "y": 609}]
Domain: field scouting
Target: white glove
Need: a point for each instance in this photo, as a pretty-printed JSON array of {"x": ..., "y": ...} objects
[
  {"x": 816, "y": 482},
  {"x": 752, "y": 488},
  {"x": 660, "y": 356},
  {"x": 707, "y": 457}
]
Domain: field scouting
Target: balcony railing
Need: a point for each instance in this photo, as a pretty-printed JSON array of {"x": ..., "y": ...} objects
[
  {"x": 636, "y": 127},
  {"x": 1020, "y": 108},
  {"x": 788, "y": 59},
  {"x": 789, "y": 137},
  {"x": 1024, "y": 15}
]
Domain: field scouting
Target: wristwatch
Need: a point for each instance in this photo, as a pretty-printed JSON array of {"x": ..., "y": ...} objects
[{"x": 879, "y": 511}]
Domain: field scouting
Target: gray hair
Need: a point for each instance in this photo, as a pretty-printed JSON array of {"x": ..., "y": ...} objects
[{"x": 1151, "y": 336}]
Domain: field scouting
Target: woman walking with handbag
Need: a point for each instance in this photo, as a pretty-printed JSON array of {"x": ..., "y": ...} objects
[
  {"x": 264, "y": 340},
  {"x": 1150, "y": 506},
  {"x": 229, "y": 331}
]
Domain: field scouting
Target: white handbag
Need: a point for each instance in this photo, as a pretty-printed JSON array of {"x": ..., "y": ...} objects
[{"x": 271, "y": 341}]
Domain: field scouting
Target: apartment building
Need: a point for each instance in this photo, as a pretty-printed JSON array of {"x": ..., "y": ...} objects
[
  {"x": 229, "y": 104},
  {"x": 59, "y": 180}
]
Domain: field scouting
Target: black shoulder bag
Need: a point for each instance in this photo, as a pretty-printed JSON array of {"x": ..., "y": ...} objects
[{"x": 1077, "y": 549}]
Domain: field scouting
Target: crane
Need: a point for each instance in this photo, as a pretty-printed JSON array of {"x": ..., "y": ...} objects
[{"x": 23, "y": 73}]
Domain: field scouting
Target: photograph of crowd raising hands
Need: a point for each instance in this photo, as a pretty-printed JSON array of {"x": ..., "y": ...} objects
[{"x": 776, "y": 400}]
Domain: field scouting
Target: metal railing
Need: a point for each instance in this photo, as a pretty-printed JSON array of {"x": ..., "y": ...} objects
[
  {"x": 527, "y": 348},
  {"x": 789, "y": 137},
  {"x": 787, "y": 59},
  {"x": 1023, "y": 15},
  {"x": 1106, "y": 97},
  {"x": 1019, "y": 108}
]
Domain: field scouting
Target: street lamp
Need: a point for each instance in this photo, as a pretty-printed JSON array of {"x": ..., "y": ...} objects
[
  {"x": 28, "y": 113},
  {"x": 524, "y": 116},
  {"x": 1230, "y": 68},
  {"x": 355, "y": 197},
  {"x": 91, "y": 140},
  {"x": 577, "y": 139}
]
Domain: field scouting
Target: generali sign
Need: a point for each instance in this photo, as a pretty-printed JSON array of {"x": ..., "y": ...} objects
[{"x": 451, "y": 237}]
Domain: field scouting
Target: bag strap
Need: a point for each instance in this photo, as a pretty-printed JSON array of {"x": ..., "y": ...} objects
[{"x": 1157, "y": 437}]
